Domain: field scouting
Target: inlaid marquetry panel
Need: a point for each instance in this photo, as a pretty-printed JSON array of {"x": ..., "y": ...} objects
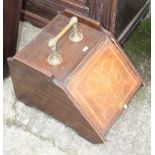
[{"x": 102, "y": 86}]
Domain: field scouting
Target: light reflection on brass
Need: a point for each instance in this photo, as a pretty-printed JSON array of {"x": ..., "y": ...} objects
[{"x": 75, "y": 36}]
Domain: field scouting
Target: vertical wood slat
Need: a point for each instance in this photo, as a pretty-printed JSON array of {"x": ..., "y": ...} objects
[{"x": 10, "y": 24}]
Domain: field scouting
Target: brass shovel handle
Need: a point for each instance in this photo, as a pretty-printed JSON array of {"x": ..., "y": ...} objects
[{"x": 75, "y": 36}]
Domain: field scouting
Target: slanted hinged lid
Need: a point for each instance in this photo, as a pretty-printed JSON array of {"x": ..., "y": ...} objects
[{"x": 102, "y": 84}]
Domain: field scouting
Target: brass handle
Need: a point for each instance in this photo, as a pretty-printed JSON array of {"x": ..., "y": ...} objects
[{"x": 75, "y": 36}]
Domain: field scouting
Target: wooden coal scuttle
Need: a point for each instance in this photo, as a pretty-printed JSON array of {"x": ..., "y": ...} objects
[{"x": 92, "y": 82}]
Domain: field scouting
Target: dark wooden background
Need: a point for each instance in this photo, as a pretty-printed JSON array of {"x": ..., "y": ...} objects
[{"x": 11, "y": 16}]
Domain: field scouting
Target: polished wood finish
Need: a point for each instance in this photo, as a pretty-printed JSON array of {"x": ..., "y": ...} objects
[
  {"x": 88, "y": 90},
  {"x": 102, "y": 86},
  {"x": 118, "y": 16},
  {"x": 11, "y": 18},
  {"x": 37, "y": 89}
]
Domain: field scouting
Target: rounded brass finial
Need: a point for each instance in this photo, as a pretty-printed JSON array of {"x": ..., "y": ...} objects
[
  {"x": 75, "y": 37},
  {"x": 54, "y": 59}
]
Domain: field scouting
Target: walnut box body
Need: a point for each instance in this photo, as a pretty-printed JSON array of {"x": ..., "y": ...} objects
[{"x": 88, "y": 90}]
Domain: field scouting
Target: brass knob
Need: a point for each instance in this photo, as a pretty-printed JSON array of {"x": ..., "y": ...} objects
[{"x": 125, "y": 106}]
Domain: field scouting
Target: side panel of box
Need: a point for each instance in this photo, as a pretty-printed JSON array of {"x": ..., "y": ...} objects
[{"x": 35, "y": 89}]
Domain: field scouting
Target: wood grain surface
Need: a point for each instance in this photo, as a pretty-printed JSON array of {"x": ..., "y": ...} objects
[
  {"x": 88, "y": 90},
  {"x": 102, "y": 86},
  {"x": 71, "y": 53},
  {"x": 37, "y": 90}
]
